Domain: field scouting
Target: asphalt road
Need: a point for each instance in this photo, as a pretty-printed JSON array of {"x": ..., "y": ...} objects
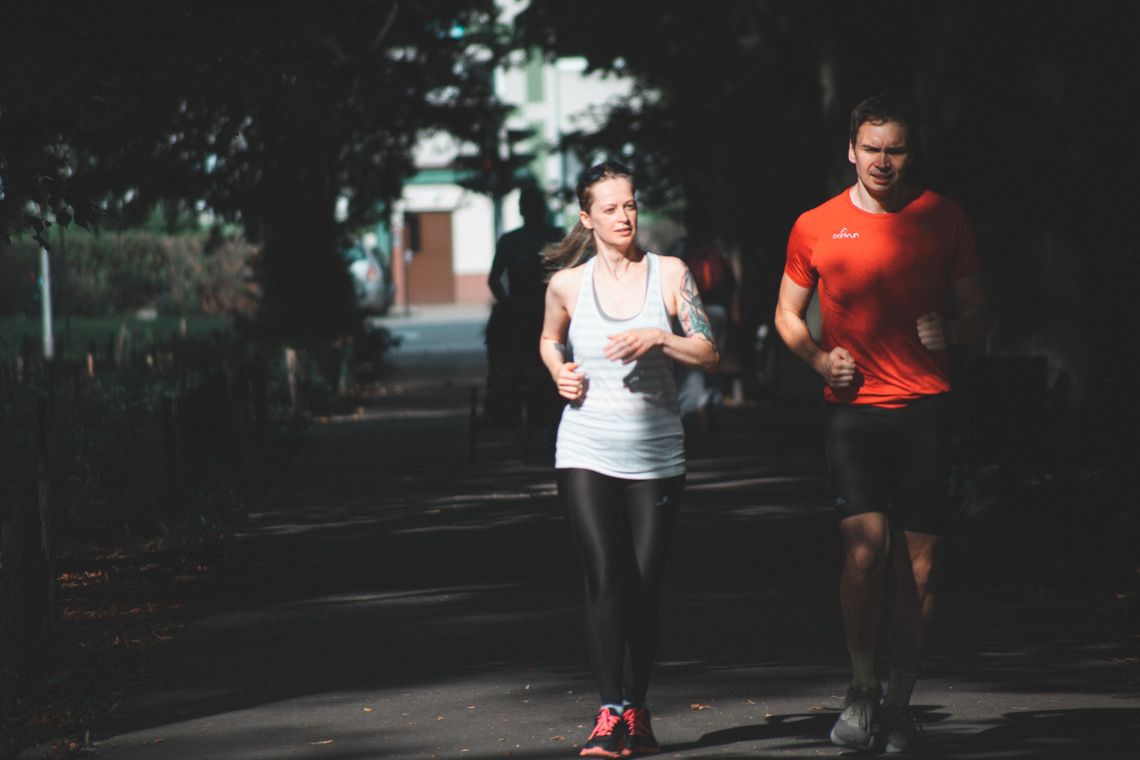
[{"x": 399, "y": 597}]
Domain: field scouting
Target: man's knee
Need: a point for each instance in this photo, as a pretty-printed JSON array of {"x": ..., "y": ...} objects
[
  {"x": 866, "y": 543},
  {"x": 865, "y": 558},
  {"x": 922, "y": 570},
  {"x": 917, "y": 553}
]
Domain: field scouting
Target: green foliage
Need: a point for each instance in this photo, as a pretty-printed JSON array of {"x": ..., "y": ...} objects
[
  {"x": 110, "y": 335},
  {"x": 119, "y": 273},
  {"x": 264, "y": 114}
]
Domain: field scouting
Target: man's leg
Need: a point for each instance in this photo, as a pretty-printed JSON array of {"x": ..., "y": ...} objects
[
  {"x": 866, "y": 544},
  {"x": 924, "y": 500},
  {"x": 865, "y": 547},
  {"x": 922, "y": 508},
  {"x": 911, "y": 611},
  {"x": 913, "y": 605}
]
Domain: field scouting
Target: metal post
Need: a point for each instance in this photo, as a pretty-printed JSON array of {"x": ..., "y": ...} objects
[{"x": 45, "y": 298}]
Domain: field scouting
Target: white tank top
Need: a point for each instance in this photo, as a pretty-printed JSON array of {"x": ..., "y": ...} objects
[{"x": 629, "y": 424}]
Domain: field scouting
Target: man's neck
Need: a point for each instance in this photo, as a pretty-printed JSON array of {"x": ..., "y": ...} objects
[{"x": 880, "y": 203}]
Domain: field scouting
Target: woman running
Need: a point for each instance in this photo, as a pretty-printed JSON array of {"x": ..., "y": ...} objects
[{"x": 608, "y": 342}]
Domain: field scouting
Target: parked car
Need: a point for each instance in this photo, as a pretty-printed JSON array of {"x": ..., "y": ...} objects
[{"x": 371, "y": 278}]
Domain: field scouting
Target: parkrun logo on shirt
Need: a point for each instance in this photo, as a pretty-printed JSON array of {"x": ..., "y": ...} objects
[{"x": 843, "y": 234}]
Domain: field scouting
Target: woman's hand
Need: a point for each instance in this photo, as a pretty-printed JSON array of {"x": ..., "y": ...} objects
[
  {"x": 571, "y": 383},
  {"x": 631, "y": 345}
]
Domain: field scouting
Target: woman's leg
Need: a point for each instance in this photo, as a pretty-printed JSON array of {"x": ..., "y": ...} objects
[
  {"x": 652, "y": 507},
  {"x": 600, "y": 530}
]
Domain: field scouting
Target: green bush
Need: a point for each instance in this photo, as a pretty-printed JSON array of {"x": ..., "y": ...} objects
[
  {"x": 123, "y": 272},
  {"x": 122, "y": 459}
]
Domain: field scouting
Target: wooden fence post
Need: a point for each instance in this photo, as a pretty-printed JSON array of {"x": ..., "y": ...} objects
[
  {"x": 43, "y": 507},
  {"x": 292, "y": 368},
  {"x": 259, "y": 391},
  {"x": 9, "y": 619},
  {"x": 171, "y": 451}
]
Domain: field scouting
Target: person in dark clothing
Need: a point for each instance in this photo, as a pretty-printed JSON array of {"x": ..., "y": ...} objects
[{"x": 518, "y": 282}]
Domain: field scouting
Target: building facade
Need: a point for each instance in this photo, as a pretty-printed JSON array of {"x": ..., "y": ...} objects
[{"x": 443, "y": 234}]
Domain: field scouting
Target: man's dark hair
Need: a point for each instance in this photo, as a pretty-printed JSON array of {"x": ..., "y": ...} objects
[
  {"x": 532, "y": 204},
  {"x": 881, "y": 108}
]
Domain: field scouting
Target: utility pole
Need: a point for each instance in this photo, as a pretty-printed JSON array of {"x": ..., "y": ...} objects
[{"x": 45, "y": 299}]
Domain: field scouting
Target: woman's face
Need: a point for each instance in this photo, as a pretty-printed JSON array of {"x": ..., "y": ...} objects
[{"x": 612, "y": 216}]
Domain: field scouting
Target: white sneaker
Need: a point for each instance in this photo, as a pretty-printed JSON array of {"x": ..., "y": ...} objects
[
  {"x": 855, "y": 726},
  {"x": 903, "y": 729}
]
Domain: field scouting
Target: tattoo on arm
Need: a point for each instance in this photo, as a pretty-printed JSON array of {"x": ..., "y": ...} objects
[
  {"x": 691, "y": 310},
  {"x": 561, "y": 349}
]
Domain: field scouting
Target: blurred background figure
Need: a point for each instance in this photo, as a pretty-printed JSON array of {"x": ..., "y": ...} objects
[
  {"x": 517, "y": 382},
  {"x": 706, "y": 259}
]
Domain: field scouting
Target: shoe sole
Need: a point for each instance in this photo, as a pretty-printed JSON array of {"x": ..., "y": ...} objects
[
  {"x": 839, "y": 742},
  {"x": 891, "y": 749}
]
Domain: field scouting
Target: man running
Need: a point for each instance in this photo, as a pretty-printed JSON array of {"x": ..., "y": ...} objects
[{"x": 898, "y": 282}]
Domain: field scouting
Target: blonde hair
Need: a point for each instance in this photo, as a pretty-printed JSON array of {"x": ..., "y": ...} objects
[{"x": 578, "y": 245}]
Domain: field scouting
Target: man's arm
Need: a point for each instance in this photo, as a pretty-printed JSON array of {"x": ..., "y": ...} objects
[
  {"x": 498, "y": 266},
  {"x": 973, "y": 320},
  {"x": 938, "y": 333},
  {"x": 837, "y": 368}
]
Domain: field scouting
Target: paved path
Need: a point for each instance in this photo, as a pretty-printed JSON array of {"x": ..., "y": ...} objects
[{"x": 399, "y": 599}]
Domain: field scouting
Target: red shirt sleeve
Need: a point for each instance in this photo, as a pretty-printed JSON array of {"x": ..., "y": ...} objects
[
  {"x": 798, "y": 266},
  {"x": 965, "y": 261}
]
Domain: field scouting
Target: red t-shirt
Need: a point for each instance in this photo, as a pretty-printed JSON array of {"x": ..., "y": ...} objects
[{"x": 876, "y": 274}]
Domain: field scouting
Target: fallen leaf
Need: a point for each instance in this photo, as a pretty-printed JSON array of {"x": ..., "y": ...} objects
[
  {"x": 322, "y": 741},
  {"x": 369, "y": 709},
  {"x": 558, "y": 738},
  {"x": 699, "y": 706}
]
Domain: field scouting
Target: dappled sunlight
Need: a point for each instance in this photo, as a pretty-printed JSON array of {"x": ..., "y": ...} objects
[
  {"x": 510, "y": 719},
  {"x": 486, "y": 509},
  {"x": 413, "y": 597},
  {"x": 780, "y": 511},
  {"x": 481, "y": 522},
  {"x": 725, "y": 482},
  {"x": 403, "y": 413}
]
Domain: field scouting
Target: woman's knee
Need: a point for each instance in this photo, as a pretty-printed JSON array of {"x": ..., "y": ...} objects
[{"x": 606, "y": 583}]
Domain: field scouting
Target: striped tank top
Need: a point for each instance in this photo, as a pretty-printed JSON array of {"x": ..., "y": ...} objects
[{"x": 629, "y": 424}]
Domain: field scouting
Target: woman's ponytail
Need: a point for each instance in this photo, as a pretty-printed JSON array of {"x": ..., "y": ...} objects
[{"x": 575, "y": 248}]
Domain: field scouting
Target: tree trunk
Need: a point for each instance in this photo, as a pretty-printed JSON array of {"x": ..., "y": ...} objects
[{"x": 307, "y": 296}]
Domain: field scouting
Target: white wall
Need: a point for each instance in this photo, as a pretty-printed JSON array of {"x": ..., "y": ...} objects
[
  {"x": 472, "y": 222},
  {"x": 472, "y": 234}
]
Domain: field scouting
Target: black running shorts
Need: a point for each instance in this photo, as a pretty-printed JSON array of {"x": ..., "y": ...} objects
[{"x": 893, "y": 461}]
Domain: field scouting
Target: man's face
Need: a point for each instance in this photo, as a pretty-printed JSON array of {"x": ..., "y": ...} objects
[{"x": 881, "y": 155}]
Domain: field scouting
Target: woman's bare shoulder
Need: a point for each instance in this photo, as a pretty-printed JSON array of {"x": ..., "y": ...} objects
[
  {"x": 673, "y": 269},
  {"x": 567, "y": 281}
]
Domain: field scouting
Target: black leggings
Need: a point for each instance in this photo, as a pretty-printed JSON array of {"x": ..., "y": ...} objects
[{"x": 621, "y": 529}]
